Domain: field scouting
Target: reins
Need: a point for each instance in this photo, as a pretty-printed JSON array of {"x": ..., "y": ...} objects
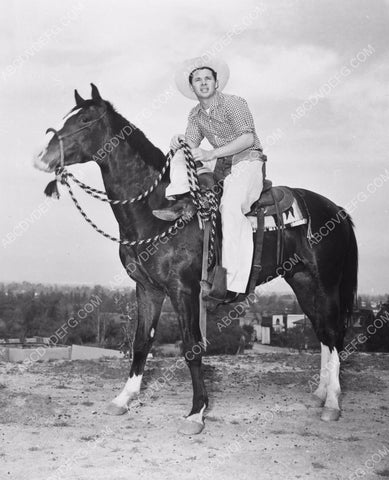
[
  {"x": 102, "y": 196},
  {"x": 178, "y": 224},
  {"x": 206, "y": 205}
]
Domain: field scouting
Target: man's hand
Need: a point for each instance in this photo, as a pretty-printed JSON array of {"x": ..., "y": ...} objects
[
  {"x": 202, "y": 155},
  {"x": 175, "y": 141}
]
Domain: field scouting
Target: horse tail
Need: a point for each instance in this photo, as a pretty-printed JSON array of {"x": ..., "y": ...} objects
[{"x": 349, "y": 281}]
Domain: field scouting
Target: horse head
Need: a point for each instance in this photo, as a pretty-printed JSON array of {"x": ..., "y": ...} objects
[{"x": 79, "y": 138}]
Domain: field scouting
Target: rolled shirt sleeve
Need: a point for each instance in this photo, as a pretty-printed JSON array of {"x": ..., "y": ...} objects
[{"x": 193, "y": 131}]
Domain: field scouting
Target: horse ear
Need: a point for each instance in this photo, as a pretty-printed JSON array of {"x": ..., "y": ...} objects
[
  {"x": 95, "y": 93},
  {"x": 79, "y": 99}
]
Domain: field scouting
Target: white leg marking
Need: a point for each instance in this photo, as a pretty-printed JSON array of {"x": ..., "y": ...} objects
[
  {"x": 197, "y": 417},
  {"x": 321, "y": 390},
  {"x": 130, "y": 390},
  {"x": 333, "y": 387}
]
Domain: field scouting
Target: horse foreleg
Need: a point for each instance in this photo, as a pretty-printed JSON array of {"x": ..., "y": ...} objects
[
  {"x": 149, "y": 309},
  {"x": 194, "y": 422},
  {"x": 187, "y": 308}
]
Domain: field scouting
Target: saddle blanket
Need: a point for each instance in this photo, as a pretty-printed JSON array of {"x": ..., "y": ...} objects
[{"x": 292, "y": 218}]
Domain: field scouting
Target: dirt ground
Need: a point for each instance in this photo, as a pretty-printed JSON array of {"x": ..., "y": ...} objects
[{"x": 261, "y": 424}]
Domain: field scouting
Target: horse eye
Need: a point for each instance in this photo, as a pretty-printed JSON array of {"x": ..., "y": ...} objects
[{"x": 84, "y": 120}]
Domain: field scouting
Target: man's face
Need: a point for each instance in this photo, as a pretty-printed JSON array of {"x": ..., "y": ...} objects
[{"x": 203, "y": 83}]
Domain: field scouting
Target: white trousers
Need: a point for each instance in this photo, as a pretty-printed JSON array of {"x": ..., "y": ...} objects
[{"x": 241, "y": 188}]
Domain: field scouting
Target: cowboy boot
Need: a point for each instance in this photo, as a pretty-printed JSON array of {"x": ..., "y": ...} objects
[{"x": 183, "y": 208}]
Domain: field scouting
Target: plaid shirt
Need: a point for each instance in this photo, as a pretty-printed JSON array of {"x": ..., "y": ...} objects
[{"x": 229, "y": 117}]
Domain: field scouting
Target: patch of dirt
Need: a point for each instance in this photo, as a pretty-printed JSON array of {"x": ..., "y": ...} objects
[{"x": 261, "y": 423}]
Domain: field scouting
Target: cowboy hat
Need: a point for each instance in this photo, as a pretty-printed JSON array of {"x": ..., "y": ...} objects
[{"x": 187, "y": 67}]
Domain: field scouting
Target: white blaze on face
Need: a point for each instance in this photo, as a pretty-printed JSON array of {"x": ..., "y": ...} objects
[
  {"x": 130, "y": 390},
  {"x": 37, "y": 159},
  {"x": 42, "y": 151}
]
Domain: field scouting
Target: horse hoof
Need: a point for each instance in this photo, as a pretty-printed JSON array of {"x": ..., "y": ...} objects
[
  {"x": 330, "y": 414},
  {"x": 317, "y": 401},
  {"x": 113, "y": 409},
  {"x": 189, "y": 427}
]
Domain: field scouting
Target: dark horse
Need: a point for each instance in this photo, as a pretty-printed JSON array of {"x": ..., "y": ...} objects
[{"x": 324, "y": 279}]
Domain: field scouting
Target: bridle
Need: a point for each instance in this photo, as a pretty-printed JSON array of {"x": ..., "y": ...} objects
[
  {"x": 206, "y": 206},
  {"x": 61, "y": 137}
]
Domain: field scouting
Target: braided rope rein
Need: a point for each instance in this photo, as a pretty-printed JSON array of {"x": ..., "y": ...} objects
[
  {"x": 100, "y": 194},
  {"x": 206, "y": 204},
  {"x": 178, "y": 224}
]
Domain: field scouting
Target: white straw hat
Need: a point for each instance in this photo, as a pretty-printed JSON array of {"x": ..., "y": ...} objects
[{"x": 187, "y": 67}]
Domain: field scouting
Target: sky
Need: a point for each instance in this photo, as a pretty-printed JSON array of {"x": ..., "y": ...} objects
[{"x": 314, "y": 73}]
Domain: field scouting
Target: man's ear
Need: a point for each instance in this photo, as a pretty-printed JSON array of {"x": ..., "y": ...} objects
[{"x": 217, "y": 84}]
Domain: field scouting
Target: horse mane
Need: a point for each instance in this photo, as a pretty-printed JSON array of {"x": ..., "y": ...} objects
[{"x": 138, "y": 141}]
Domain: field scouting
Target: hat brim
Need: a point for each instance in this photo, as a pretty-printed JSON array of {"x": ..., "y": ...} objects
[{"x": 184, "y": 70}]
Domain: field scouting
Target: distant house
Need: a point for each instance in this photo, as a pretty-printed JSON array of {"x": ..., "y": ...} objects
[
  {"x": 293, "y": 318},
  {"x": 361, "y": 318},
  {"x": 255, "y": 320},
  {"x": 278, "y": 323},
  {"x": 266, "y": 326},
  {"x": 281, "y": 322},
  {"x": 278, "y": 326},
  {"x": 36, "y": 339},
  {"x": 28, "y": 342}
]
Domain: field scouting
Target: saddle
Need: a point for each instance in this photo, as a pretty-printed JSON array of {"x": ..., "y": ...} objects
[{"x": 272, "y": 201}]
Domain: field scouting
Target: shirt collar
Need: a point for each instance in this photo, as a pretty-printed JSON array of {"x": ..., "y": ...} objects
[{"x": 217, "y": 100}]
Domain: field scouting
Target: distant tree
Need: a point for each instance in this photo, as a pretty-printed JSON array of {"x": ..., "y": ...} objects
[
  {"x": 113, "y": 335},
  {"x": 223, "y": 339},
  {"x": 297, "y": 337},
  {"x": 168, "y": 330},
  {"x": 248, "y": 332},
  {"x": 377, "y": 332},
  {"x": 223, "y": 333}
]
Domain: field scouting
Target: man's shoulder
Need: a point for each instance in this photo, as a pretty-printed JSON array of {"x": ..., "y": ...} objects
[
  {"x": 194, "y": 111},
  {"x": 231, "y": 100}
]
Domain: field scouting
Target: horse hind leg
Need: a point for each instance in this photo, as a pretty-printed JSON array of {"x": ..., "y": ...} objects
[
  {"x": 322, "y": 308},
  {"x": 328, "y": 391},
  {"x": 331, "y": 410},
  {"x": 320, "y": 394},
  {"x": 149, "y": 309}
]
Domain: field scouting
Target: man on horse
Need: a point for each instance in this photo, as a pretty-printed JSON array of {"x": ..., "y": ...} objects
[{"x": 227, "y": 123}]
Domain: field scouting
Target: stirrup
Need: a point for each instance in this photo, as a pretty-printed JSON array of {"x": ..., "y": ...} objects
[{"x": 229, "y": 297}]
